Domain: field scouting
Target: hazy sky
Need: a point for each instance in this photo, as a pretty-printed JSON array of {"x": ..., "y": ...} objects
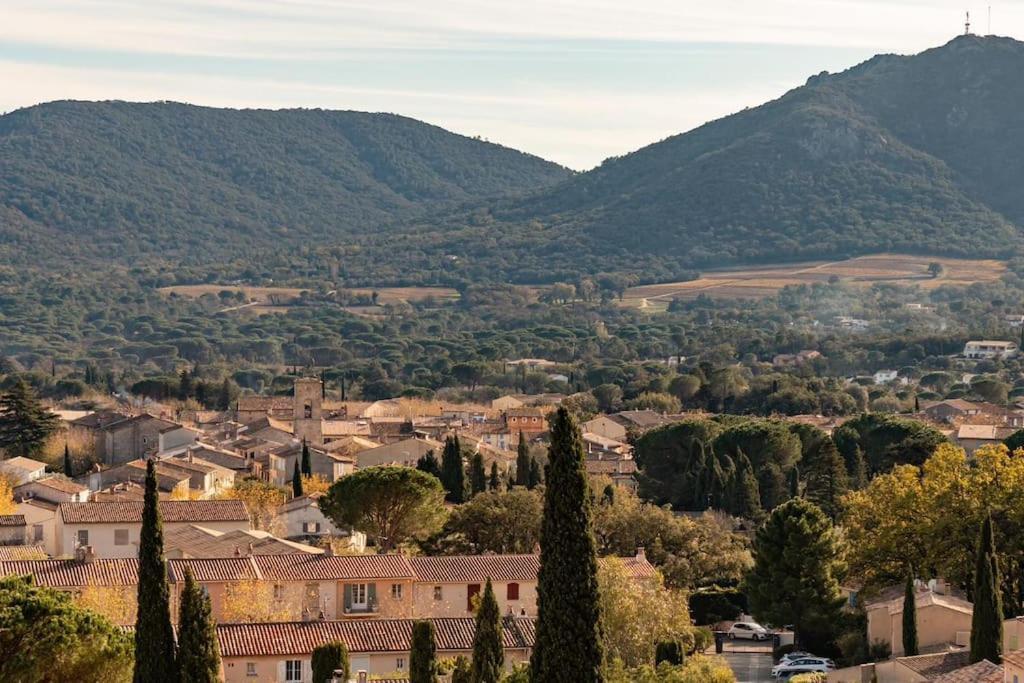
[{"x": 574, "y": 81}]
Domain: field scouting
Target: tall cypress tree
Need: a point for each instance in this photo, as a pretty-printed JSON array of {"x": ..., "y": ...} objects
[
  {"x": 987, "y": 621},
  {"x": 68, "y": 469},
  {"x": 453, "y": 476},
  {"x": 746, "y": 492},
  {"x": 827, "y": 479},
  {"x": 198, "y": 652},
  {"x": 154, "y": 638},
  {"x": 488, "y": 652},
  {"x": 522, "y": 461},
  {"x": 477, "y": 474},
  {"x": 297, "y": 481},
  {"x": 909, "y": 619},
  {"x": 495, "y": 481},
  {"x": 568, "y": 632},
  {"x": 423, "y": 654},
  {"x": 307, "y": 463},
  {"x": 328, "y": 658},
  {"x": 536, "y": 479},
  {"x": 25, "y": 424},
  {"x": 429, "y": 464},
  {"x": 794, "y": 482}
]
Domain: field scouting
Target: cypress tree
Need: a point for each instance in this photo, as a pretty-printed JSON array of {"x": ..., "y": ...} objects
[
  {"x": 495, "y": 482},
  {"x": 224, "y": 399},
  {"x": 154, "y": 639},
  {"x": 987, "y": 621},
  {"x": 746, "y": 492},
  {"x": 568, "y": 632},
  {"x": 536, "y": 479},
  {"x": 477, "y": 474},
  {"x": 307, "y": 463},
  {"x": 25, "y": 424},
  {"x": 827, "y": 480},
  {"x": 488, "y": 653},
  {"x": 184, "y": 385},
  {"x": 429, "y": 464},
  {"x": 198, "y": 652},
  {"x": 522, "y": 462},
  {"x": 68, "y": 470},
  {"x": 670, "y": 652},
  {"x": 423, "y": 654},
  {"x": 909, "y": 619},
  {"x": 453, "y": 476},
  {"x": 328, "y": 658},
  {"x": 794, "y": 482},
  {"x": 296, "y": 481}
]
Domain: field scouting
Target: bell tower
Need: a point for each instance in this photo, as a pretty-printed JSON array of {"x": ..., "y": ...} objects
[{"x": 307, "y": 411}]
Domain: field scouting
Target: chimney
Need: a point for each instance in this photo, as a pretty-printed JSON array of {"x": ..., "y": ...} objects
[
  {"x": 238, "y": 551},
  {"x": 329, "y": 550},
  {"x": 85, "y": 554},
  {"x": 250, "y": 548},
  {"x": 641, "y": 554}
]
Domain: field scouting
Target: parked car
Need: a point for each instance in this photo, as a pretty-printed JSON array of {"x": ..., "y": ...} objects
[
  {"x": 785, "y": 670},
  {"x": 749, "y": 630}
]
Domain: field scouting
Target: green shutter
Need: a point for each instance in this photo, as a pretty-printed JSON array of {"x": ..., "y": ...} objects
[
  {"x": 371, "y": 594},
  {"x": 348, "y": 597}
]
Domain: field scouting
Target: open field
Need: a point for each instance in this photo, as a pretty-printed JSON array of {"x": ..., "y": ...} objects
[
  {"x": 274, "y": 297},
  {"x": 762, "y": 281}
]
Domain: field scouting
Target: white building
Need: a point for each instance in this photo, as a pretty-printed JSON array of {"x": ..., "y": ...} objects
[{"x": 988, "y": 349}]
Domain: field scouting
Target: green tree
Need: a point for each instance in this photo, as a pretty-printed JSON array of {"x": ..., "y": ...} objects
[
  {"x": 909, "y": 619},
  {"x": 987, "y": 620},
  {"x": 155, "y": 659},
  {"x": 797, "y": 569},
  {"x": 461, "y": 671},
  {"x": 45, "y": 636},
  {"x": 827, "y": 479},
  {"x": 488, "y": 651},
  {"x": 522, "y": 462},
  {"x": 390, "y": 504},
  {"x": 328, "y": 658},
  {"x": 198, "y": 651},
  {"x": 296, "y": 481},
  {"x": 227, "y": 395},
  {"x": 499, "y": 522},
  {"x": 423, "y": 654},
  {"x": 453, "y": 474},
  {"x": 25, "y": 424},
  {"x": 536, "y": 477},
  {"x": 477, "y": 474},
  {"x": 307, "y": 463},
  {"x": 494, "y": 482},
  {"x": 429, "y": 464},
  {"x": 568, "y": 641},
  {"x": 746, "y": 499},
  {"x": 68, "y": 469}
]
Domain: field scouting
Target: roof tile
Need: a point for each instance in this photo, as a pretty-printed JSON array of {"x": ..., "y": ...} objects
[{"x": 170, "y": 511}]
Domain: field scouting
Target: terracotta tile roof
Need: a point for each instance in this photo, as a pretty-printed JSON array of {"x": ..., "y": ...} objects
[
  {"x": 12, "y": 520},
  {"x": 59, "y": 483},
  {"x": 638, "y": 567},
  {"x": 980, "y": 672},
  {"x": 72, "y": 573},
  {"x": 22, "y": 463},
  {"x": 937, "y": 664},
  {"x": 1015, "y": 657},
  {"x": 194, "y": 541},
  {"x": 376, "y": 635},
  {"x": 220, "y": 569},
  {"x": 326, "y": 568},
  {"x": 170, "y": 510},
  {"x": 466, "y": 568},
  {"x": 21, "y": 552}
]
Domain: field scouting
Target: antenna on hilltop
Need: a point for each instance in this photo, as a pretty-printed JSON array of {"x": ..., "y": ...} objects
[{"x": 967, "y": 25}]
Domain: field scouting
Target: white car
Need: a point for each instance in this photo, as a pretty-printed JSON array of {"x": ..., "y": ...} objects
[
  {"x": 791, "y": 656},
  {"x": 784, "y": 671},
  {"x": 749, "y": 630}
]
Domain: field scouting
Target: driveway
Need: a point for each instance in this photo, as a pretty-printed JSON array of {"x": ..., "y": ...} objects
[{"x": 751, "y": 662}]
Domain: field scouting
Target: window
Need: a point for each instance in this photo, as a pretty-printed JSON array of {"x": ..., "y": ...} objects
[
  {"x": 37, "y": 533},
  {"x": 396, "y": 591},
  {"x": 120, "y": 537},
  {"x": 311, "y": 527},
  {"x": 400, "y": 664},
  {"x": 472, "y": 590},
  {"x": 359, "y": 595},
  {"x": 83, "y": 537},
  {"x": 307, "y": 410},
  {"x": 250, "y": 668},
  {"x": 278, "y": 591},
  {"x": 312, "y": 597},
  {"x": 293, "y": 670},
  {"x": 513, "y": 591},
  {"x": 437, "y": 592}
]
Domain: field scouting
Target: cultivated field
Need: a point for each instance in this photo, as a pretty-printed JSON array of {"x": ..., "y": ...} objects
[
  {"x": 762, "y": 281},
  {"x": 275, "y": 297}
]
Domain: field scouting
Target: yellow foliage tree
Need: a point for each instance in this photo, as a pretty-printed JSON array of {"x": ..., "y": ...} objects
[
  {"x": 116, "y": 603},
  {"x": 315, "y": 484},
  {"x": 7, "y": 506},
  {"x": 698, "y": 669},
  {"x": 255, "y": 601},
  {"x": 261, "y": 500}
]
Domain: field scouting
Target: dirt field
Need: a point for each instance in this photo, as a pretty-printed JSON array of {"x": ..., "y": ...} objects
[
  {"x": 274, "y": 297},
  {"x": 762, "y": 281}
]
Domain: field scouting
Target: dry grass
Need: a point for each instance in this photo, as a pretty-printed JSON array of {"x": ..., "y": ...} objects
[
  {"x": 763, "y": 281},
  {"x": 272, "y": 299}
]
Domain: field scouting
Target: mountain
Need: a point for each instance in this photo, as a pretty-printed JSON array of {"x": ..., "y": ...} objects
[
  {"x": 915, "y": 154},
  {"x": 118, "y": 181}
]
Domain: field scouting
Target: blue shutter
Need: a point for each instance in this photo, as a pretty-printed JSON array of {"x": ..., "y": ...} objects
[{"x": 348, "y": 597}]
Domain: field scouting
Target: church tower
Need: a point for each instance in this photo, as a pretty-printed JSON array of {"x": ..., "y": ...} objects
[{"x": 307, "y": 411}]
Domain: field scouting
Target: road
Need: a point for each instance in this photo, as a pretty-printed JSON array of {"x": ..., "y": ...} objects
[{"x": 750, "y": 667}]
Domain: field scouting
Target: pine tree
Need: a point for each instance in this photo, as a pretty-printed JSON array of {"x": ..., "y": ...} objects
[
  {"x": 453, "y": 476},
  {"x": 536, "y": 479},
  {"x": 827, "y": 480},
  {"x": 477, "y": 474},
  {"x": 328, "y": 658},
  {"x": 25, "y": 424},
  {"x": 423, "y": 654},
  {"x": 224, "y": 399},
  {"x": 909, "y": 619},
  {"x": 184, "y": 385},
  {"x": 198, "y": 651},
  {"x": 987, "y": 621},
  {"x": 68, "y": 469},
  {"x": 495, "y": 481},
  {"x": 523, "y": 461},
  {"x": 568, "y": 632},
  {"x": 297, "y": 481},
  {"x": 746, "y": 492},
  {"x": 154, "y": 639},
  {"x": 307, "y": 463},
  {"x": 429, "y": 464},
  {"x": 857, "y": 470},
  {"x": 488, "y": 652}
]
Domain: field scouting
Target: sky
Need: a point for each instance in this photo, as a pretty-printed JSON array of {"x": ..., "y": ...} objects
[{"x": 573, "y": 81}]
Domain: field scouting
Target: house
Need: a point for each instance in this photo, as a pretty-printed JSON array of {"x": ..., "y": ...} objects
[
  {"x": 21, "y": 552},
  {"x": 282, "y": 651},
  {"x": 55, "y": 488},
  {"x": 89, "y": 428},
  {"x": 112, "y": 529},
  {"x": 329, "y": 465},
  {"x": 973, "y": 437},
  {"x": 952, "y": 409},
  {"x": 621, "y": 470},
  {"x": 13, "y": 530},
  {"x": 942, "y": 620},
  {"x": 791, "y": 359},
  {"x": 526, "y": 420},
  {"x": 40, "y": 523},
  {"x": 640, "y": 420},
  {"x": 170, "y": 481},
  {"x": 136, "y": 437},
  {"x": 302, "y": 519},
  {"x": 406, "y": 452},
  {"x": 988, "y": 349},
  {"x": 1013, "y": 667},
  {"x": 194, "y": 541},
  {"x": 22, "y": 470},
  {"x": 595, "y": 444},
  {"x": 605, "y": 426},
  {"x": 205, "y": 479},
  {"x": 885, "y": 376}
]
